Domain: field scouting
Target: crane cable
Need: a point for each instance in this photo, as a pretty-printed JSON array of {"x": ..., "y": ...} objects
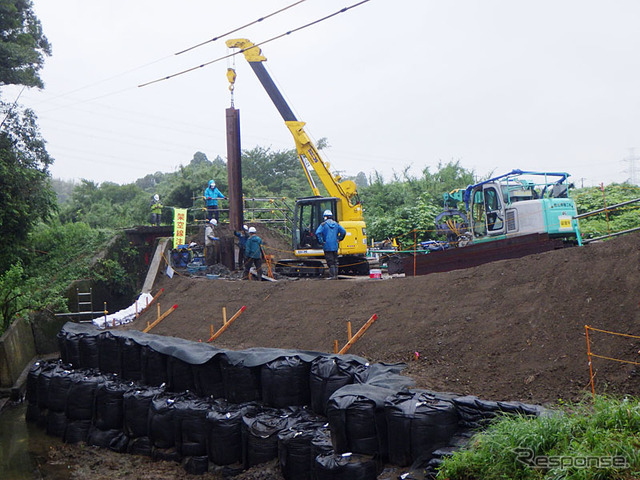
[
  {"x": 239, "y": 28},
  {"x": 255, "y": 45}
]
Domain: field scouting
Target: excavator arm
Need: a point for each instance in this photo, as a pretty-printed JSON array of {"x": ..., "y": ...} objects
[{"x": 345, "y": 191}]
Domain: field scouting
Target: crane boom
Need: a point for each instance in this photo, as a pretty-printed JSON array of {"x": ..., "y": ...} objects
[{"x": 346, "y": 190}]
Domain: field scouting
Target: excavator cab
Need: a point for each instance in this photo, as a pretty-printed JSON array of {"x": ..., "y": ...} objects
[{"x": 308, "y": 216}]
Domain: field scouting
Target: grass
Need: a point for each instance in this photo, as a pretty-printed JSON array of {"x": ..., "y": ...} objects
[{"x": 592, "y": 440}]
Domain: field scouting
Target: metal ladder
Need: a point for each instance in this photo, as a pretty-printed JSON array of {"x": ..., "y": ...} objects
[{"x": 85, "y": 304}]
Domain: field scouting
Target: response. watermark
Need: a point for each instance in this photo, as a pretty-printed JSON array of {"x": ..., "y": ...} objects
[{"x": 528, "y": 457}]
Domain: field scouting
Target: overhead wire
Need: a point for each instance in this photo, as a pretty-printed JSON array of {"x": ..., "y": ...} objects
[
  {"x": 239, "y": 28},
  {"x": 315, "y": 22}
]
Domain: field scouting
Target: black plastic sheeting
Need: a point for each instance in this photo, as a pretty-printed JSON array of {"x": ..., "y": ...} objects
[
  {"x": 348, "y": 466},
  {"x": 322, "y": 416},
  {"x": 328, "y": 374},
  {"x": 357, "y": 420},
  {"x": 295, "y": 449},
  {"x": 418, "y": 422},
  {"x": 285, "y": 382}
]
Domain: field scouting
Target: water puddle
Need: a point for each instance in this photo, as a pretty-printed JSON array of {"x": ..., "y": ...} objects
[{"x": 24, "y": 448}]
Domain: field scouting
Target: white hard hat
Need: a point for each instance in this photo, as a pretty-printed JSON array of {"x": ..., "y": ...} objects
[
  {"x": 244, "y": 227},
  {"x": 213, "y": 221},
  {"x": 156, "y": 197},
  {"x": 327, "y": 213},
  {"x": 252, "y": 229}
]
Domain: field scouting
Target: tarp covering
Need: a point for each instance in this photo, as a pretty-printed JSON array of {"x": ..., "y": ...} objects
[
  {"x": 223, "y": 407},
  {"x": 124, "y": 316}
]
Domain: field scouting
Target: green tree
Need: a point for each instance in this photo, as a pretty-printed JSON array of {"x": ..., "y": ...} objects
[
  {"x": 595, "y": 198},
  {"x": 23, "y": 45},
  {"x": 26, "y": 196}
]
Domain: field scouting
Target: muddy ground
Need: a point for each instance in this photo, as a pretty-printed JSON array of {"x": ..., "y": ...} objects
[{"x": 509, "y": 330}]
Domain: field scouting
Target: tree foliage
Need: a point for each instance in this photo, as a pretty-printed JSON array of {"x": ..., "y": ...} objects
[
  {"x": 409, "y": 204},
  {"x": 26, "y": 196},
  {"x": 617, "y": 220},
  {"x": 23, "y": 45}
]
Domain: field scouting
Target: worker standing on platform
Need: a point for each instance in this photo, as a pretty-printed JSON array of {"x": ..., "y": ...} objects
[
  {"x": 211, "y": 196},
  {"x": 253, "y": 254},
  {"x": 330, "y": 233},
  {"x": 210, "y": 243},
  {"x": 156, "y": 210}
]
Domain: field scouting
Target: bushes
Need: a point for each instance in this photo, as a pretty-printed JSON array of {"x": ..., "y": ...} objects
[{"x": 598, "y": 440}]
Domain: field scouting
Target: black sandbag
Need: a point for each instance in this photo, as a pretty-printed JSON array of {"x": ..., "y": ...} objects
[
  {"x": 321, "y": 443},
  {"x": 327, "y": 375},
  {"x": 109, "y": 358},
  {"x": 241, "y": 383},
  {"x": 81, "y": 395},
  {"x": 162, "y": 424},
  {"x": 59, "y": 385},
  {"x": 385, "y": 375},
  {"x": 153, "y": 367},
  {"x": 61, "y": 338},
  {"x": 418, "y": 423},
  {"x": 179, "y": 376},
  {"x": 295, "y": 450},
  {"x": 103, "y": 438},
  {"x": 32, "y": 415},
  {"x": 285, "y": 382},
  {"x": 139, "y": 446},
  {"x": 72, "y": 349},
  {"x": 224, "y": 443},
  {"x": 31, "y": 390},
  {"x": 191, "y": 426},
  {"x": 77, "y": 431},
  {"x": 43, "y": 382},
  {"x": 56, "y": 423},
  {"x": 260, "y": 435},
  {"x": 347, "y": 466},
  {"x": 109, "y": 409},
  {"x": 196, "y": 465},
  {"x": 130, "y": 353},
  {"x": 136, "y": 404},
  {"x": 356, "y": 419},
  {"x": 208, "y": 379},
  {"x": 88, "y": 346}
]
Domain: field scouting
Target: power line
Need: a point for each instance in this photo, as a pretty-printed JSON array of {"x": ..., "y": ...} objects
[
  {"x": 256, "y": 45},
  {"x": 240, "y": 28}
]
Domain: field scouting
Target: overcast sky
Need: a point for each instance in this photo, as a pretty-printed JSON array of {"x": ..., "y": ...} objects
[{"x": 495, "y": 84}]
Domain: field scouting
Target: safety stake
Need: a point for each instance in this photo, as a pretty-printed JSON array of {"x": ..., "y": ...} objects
[
  {"x": 226, "y": 325},
  {"x": 160, "y": 318},
  {"x": 224, "y": 317},
  {"x": 593, "y": 389},
  {"x": 353, "y": 339},
  {"x": 349, "y": 335},
  {"x": 335, "y": 346}
]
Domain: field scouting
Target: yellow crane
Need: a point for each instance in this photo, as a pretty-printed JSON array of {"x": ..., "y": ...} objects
[{"x": 343, "y": 200}]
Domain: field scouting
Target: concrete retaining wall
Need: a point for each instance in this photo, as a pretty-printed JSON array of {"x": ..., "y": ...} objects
[{"x": 17, "y": 349}]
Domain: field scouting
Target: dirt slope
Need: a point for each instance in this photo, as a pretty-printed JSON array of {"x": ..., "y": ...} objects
[{"x": 510, "y": 330}]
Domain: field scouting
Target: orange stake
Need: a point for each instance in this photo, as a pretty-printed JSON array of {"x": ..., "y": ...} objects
[
  {"x": 364, "y": 328},
  {"x": 593, "y": 390},
  {"x": 160, "y": 318},
  {"x": 226, "y": 325}
]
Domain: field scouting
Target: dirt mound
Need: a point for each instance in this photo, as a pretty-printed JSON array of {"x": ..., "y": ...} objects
[{"x": 509, "y": 330}]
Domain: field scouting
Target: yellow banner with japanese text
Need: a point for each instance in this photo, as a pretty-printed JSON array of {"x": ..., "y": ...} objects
[{"x": 179, "y": 226}]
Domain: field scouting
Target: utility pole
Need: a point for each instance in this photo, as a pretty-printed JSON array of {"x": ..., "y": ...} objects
[{"x": 632, "y": 159}]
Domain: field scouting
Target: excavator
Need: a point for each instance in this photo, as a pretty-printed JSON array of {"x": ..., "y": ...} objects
[
  {"x": 513, "y": 204},
  {"x": 343, "y": 201}
]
